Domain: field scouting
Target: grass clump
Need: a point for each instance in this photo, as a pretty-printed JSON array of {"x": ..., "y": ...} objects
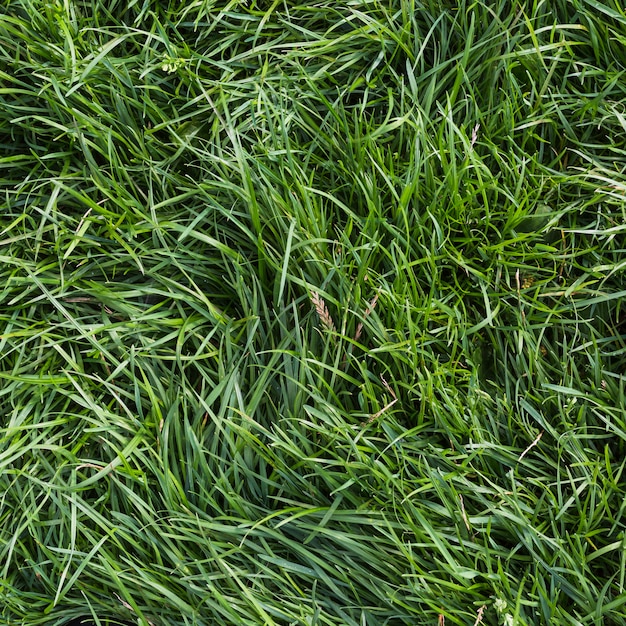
[{"x": 312, "y": 314}]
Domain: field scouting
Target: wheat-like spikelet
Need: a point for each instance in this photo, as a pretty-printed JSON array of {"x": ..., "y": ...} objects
[{"x": 322, "y": 311}]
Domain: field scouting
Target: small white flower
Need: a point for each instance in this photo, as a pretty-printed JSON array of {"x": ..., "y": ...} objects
[{"x": 171, "y": 64}]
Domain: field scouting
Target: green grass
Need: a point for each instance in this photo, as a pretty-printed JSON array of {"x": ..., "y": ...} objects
[{"x": 312, "y": 313}]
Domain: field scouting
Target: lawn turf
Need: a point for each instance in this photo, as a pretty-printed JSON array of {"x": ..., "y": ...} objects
[{"x": 312, "y": 313}]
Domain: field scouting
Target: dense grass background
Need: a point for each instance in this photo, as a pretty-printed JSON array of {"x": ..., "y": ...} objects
[{"x": 312, "y": 313}]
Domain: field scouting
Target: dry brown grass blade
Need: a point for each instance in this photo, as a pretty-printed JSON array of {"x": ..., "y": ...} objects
[{"x": 370, "y": 308}]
